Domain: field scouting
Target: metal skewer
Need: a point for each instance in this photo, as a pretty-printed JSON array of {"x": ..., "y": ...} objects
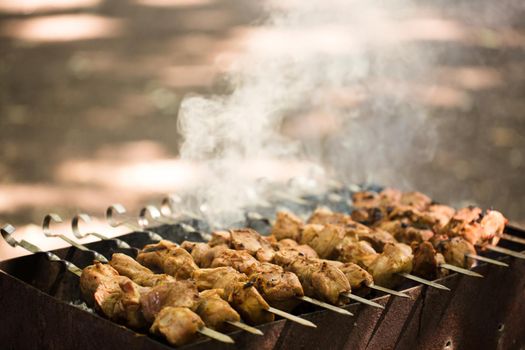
[
  {"x": 291, "y": 317},
  {"x": 362, "y": 300},
  {"x": 389, "y": 291},
  {"x": 424, "y": 281},
  {"x": 506, "y": 251},
  {"x": 487, "y": 260},
  {"x": 47, "y": 232},
  {"x": 7, "y": 232},
  {"x": 211, "y": 333},
  {"x": 460, "y": 270},
  {"x": 127, "y": 221},
  {"x": 512, "y": 238},
  {"x": 86, "y": 218}
]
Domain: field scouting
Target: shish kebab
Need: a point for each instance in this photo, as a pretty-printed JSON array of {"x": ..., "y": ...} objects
[
  {"x": 120, "y": 299},
  {"x": 149, "y": 281},
  {"x": 177, "y": 262}
]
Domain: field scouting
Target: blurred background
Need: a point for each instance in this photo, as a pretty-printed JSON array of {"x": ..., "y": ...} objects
[{"x": 430, "y": 96}]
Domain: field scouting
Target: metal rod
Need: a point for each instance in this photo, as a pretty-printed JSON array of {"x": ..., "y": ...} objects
[
  {"x": 424, "y": 281},
  {"x": 7, "y": 231},
  {"x": 245, "y": 327},
  {"x": 461, "y": 270},
  {"x": 86, "y": 218},
  {"x": 487, "y": 260},
  {"x": 390, "y": 291},
  {"x": 506, "y": 251},
  {"x": 119, "y": 209},
  {"x": 362, "y": 300},
  {"x": 216, "y": 335},
  {"x": 325, "y": 305},
  {"x": 291, "y": 317},
  {"x": 512, "y": 238},
  {"x": 52, "y": 217}
]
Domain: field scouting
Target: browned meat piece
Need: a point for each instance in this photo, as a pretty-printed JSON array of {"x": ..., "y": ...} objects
[
  {"x": 319, "y": 279},
  {"x": 289, "y": 244},
  {"x": 278, "y": 287},
  {"x": 179, "y": 294},
  {"x": 416, "y": 200},
  {"x": 218, "y": 278},
  {"x": 476, "y": 227},
  {"x": 324, "y": 239},
  {"x": 357, "y": 252},
  {"x": 455, "y": 251},
  {"x": 366, "y": 199},
  {"x": 395, "y": 258},
  {"x": 215, "y": 311},
  {"x": 117, "y": 297},
  {"x": 177, "y": 324},
  {"x": 202, "y": 253},
  {"x": 427, "y": 261},
  {"x": 169, "y": 258},
  {"x": 405, "y": 233},
  {"x": 369, "y": 215},
  {"x": 236, "y": 290},
  {"x": 376, "y": 237},
  {"x": 287, "y": 225},
  {"x": 357, "y": 276},
  {"x": 437, "y": 215},
  {"x": 240, "y": 260},
  {"x": 251, "y": 241},
  {"x": 220, "y": 238},
  {"x": 129, "y": 267},
  {"x": 323, "y": 216}
]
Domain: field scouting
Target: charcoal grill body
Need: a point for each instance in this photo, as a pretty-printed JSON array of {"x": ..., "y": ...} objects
[{"x": 479, "y": 313}]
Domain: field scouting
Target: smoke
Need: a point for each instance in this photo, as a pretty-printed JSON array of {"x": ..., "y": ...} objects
[{"x": 322, "y": 82}]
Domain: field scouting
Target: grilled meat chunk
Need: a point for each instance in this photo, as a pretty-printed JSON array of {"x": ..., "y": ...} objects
[
  {"x": 396, "y": 258},
  {"x": 168, "y": 257},
  {"x": 357, "y": 252},
  {"x": 357, "y": 276},
  {"x": 416, "y": 200},
  {"x": 403, "y": 232},
  {"x": 287, "y": 225},
  {"x": 427, "y": 261},
  {"x": 319, "y": 279},
  {"x": 178, "y": 294},
  {"x": 240, "y": 260},
  {"x": 376, "y": 237},
  {"x": 323, "y": 238},
  {"x": 289, "y": 244},
  {"x": 214, "y": 310},
  {"x": 475, "y": 226},
  {"x": 455, "y": 251},
  {"x": 251, "y": 241},
  {"x": 129, "y": 267},
  {"x": 117, "y": 297},
  {"x": 178, "y": 325},
  {"x": 324, "y": 216}
]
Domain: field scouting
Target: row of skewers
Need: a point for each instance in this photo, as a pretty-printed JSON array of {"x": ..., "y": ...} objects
[{"x": 179, "y": 291}]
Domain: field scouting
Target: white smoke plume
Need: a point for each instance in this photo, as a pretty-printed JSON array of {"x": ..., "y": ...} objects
[{"x": 331, "y": 72}]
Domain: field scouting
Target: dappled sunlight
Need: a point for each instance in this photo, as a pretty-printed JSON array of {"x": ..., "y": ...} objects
[
  {"x": 472, "y": 78},
  {"x": 37, "y": 6},
  {"x": 174, "y": 3},
  {"x": 62, "y": 28}
]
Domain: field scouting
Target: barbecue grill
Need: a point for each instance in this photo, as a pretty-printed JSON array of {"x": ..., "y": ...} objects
[{"x": 42, "y": 305}]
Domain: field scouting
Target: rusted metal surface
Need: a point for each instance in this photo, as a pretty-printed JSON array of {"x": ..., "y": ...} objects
[{"x": 487, "y": 313}]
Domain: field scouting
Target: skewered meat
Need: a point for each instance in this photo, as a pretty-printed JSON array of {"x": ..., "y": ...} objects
[
  {"x": 168, "y": 257},
  {"x": 427, "y": 261},
  {"x": 357, "y": 276},
  {"x": 129, "y": 267},
  {"x": 416, "y": 200},
  {"x": 476, "y": 227},
  {"x": 396, "y": 258},
  {"x": 177, "y": 324},
  {"x": 240, "y": 260},
  {"x": 235, "y": 288},
  {"x": 368, "y": 215},
  {"x": 322, "y": 238},
  {"x": 245, "y": 239},
  {"x": 357, "y": 252},
  {"x": 439, "y": 215},
  {"x": 323, "y": 216},
  {"x": 179, "y": 294},
  {"x": 117, "y": 297},
  {"x": 378, "y": 238},
  {"x": 287, "y": 225},
  {"x": 319, "y": 279},
  {"x": 202, "y": 253},
  {"x": 455, "y": 251},
  {"x": 405, "y": 233},
  {"x": 215, "y": 311},
  {"x": 290, "y": 244}
]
